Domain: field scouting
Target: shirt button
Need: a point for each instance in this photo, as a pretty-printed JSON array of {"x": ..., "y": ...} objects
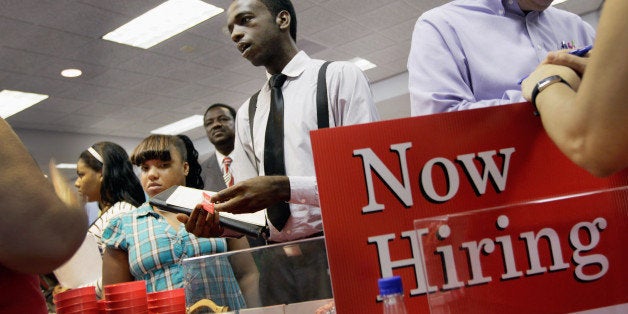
[
  {"x": 289, "y": 232},
  {"x": 302, "y": 201},
  {"x": 501, "y": 12}
]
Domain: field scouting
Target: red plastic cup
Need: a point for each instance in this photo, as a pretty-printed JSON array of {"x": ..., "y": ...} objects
[
  {"x": 115, "y": 305},
  {"x": 75, "y": 293},
  {"x": 123, "y": 287},
  {"x": 166, "y": 294},
  {"x": 75, "y": 301},
  {"x": 128, "y": 311},
  {"x": 85, "y": 311},
  {"x": 168, "y": 310},
  {"x": 78, "y": 308},
  {"x": 166, "y": 302},
  {"x": 125, "y": 295},
  {"x": 102, "y": 306}
]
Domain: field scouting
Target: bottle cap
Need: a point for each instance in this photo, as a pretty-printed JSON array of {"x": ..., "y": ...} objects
[{"x": 390, "y": 285}]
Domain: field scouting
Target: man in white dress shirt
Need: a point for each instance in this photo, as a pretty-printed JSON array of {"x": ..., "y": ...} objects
[{"x": 264, "y": 31}]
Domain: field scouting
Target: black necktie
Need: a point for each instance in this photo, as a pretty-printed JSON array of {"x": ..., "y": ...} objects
[{"x": 278, "y": 213}]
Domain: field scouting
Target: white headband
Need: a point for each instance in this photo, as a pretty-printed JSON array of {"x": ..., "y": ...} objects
[{"x": 96, "y": 155}]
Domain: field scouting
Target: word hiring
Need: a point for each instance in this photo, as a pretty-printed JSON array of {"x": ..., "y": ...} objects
[
  {"x": 473, "y": 250},
  {"x": 403, "y": 192}
]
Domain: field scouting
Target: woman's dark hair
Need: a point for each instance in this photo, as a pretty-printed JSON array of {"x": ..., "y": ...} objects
[
  {"x": 157, "y": 146},
  {"x": 276, "y": 6},
  {"x": 194, "y": 179},
  {"x": 119, "y": 181}
]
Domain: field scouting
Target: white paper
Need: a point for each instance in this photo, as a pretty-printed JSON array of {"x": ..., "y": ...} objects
[
  {"x": 186, "y": 197},
  {"x": 85, "y": 267},
  {"x": 190, "y": 197}
]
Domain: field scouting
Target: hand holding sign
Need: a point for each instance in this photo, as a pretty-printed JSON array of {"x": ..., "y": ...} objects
[{"x": 203, "y": 221}]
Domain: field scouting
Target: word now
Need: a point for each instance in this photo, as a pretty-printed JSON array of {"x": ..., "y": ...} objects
[{"x": 403, "y": 191}]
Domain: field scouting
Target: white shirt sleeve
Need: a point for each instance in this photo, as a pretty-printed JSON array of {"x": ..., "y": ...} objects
[{"x": 304, "y": 190}]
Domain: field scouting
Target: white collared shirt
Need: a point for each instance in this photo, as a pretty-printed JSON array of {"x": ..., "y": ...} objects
[
  {"x": 220, "y": 158},
  {"x": 350, "y": 102}
]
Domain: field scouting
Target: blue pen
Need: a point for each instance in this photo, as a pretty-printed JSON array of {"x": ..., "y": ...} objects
[
  {"x": 582, "y": 51},
  {"x": 576, "y": 52}
]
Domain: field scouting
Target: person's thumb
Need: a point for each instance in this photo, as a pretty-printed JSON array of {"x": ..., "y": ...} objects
[{"x": 183, "y": 218}]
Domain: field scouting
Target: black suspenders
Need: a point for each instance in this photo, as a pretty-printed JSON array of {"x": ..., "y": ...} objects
[
  {"x": 322, "y": 109},
  {"x": 322, "y": 106}
]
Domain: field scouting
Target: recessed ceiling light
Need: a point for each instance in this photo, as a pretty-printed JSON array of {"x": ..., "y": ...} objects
[
  {"x": 180, "y": 126},
  {"x": 66, "y": 166},
  {"x": 12, "y": 102},
  {"x": 363, "y": 64},
  {"x": 164, "y": 21},
  {"x": 71, "y": 73}
]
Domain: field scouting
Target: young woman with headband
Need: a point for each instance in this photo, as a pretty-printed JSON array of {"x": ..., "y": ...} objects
[{"x": 105, "y": 175}]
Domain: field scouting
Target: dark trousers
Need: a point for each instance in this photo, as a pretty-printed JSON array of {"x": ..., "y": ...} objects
[{"x": 294, "y": 273}]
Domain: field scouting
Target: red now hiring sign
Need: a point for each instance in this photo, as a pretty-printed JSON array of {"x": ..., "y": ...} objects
[{"x": 477, "y": 210}]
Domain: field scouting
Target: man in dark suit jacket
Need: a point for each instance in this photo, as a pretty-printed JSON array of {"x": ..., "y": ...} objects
[
  {"x": 212, "y": 174},
  {"x": 219, "y": 122}
]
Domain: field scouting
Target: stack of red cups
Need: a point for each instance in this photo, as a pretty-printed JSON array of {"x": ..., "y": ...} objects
[
  {"x": 102, "y": 306},
  {"x": 79, "y": 300},
  {"x": 167, "y": 302},
  {"x": 126, "y": 298}
]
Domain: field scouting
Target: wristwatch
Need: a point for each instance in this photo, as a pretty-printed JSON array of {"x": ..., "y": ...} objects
[{"x": 542, "y": 85}]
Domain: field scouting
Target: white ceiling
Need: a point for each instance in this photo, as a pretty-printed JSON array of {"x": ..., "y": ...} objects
[{"x": 126, "y": 91}]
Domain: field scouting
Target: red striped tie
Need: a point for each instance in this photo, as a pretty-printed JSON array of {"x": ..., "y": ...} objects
[{"x": 227, "y": 172}]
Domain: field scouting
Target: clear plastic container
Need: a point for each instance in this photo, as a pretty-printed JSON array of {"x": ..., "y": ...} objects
[{"x": 391, "y": 292}]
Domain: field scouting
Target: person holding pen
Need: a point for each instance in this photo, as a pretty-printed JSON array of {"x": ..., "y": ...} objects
[
  {"x": 470, "y": 54},
  {"x": 582, "y": 100}
]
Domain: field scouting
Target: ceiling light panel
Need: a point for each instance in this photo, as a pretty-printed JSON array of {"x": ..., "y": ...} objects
[
  {"x": 164, "y": 21},
  {"x": 363, "y": 64},
  {"x": 12, "y": 102},
  {"x": 180, "y": 126},
  {"x": 66, "y": 166}
]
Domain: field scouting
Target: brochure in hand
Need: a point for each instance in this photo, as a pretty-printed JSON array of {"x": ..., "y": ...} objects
[{"x": 181, "y": 199}]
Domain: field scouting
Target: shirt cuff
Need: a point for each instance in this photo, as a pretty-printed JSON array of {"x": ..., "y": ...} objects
[{"x": 304, "y": 190}]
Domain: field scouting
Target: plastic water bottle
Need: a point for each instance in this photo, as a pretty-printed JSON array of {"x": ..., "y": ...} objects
[{"x": 391, "y": 292}]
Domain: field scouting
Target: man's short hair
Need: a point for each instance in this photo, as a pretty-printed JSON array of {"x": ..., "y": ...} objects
[
  {"x": 276, "y": 6},
  {"x": 231, "y": 110}
]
